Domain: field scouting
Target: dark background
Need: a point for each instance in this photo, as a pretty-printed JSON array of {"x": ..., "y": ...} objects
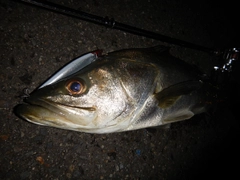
[{"x": 35, "y": 43}]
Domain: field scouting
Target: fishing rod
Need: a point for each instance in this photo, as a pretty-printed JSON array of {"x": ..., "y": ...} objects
[
  {"x": 111, "y": 23},
  {"x": 228, "y": 56}
]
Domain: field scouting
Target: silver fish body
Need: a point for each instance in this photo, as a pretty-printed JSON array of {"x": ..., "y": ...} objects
[{"x": 121, "y": 91}]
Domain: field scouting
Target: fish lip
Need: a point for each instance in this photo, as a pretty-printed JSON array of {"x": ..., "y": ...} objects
[
  {"x": 78, "y": 107},
  {"x": 39, "y": 103},
  {"x": 21, "y": 112},
  {"x": 44, "y": 103},
  {"x": 52, "y": 107},
  {"x": 27, "y": 108}
]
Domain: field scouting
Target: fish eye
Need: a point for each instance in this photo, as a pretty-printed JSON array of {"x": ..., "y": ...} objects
[{"x": 75, "y": 87}]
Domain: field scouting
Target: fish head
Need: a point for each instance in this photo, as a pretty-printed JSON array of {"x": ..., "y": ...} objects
[{"x": 91, "y": 100}]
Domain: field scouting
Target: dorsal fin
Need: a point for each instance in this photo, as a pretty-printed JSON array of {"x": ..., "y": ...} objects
[{"x": 139, "y": 54}]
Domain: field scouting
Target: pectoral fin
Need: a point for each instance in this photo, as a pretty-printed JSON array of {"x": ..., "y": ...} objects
[
  {"x": 168, "y": 96},
  {"x": 168, "y": 101},
  {"x": 178, "y": 116}
]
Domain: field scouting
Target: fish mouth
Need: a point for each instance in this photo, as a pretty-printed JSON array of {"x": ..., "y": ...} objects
[{"x": 48, "y": 113}]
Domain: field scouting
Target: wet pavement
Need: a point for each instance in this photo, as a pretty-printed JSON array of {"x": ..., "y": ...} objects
[{"x": 35, "y": 43}]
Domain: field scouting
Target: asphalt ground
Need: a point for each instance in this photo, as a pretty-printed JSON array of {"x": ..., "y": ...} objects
[{"x": 35, "y": 43}]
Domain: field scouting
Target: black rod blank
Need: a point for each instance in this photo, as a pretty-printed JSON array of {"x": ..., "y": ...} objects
[{"x": 111, "y": 23}]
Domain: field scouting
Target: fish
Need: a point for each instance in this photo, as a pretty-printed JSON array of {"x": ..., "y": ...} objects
[{"x": 120, "y": 91}]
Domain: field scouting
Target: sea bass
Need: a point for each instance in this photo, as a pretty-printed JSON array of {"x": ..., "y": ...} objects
[{"x": 120, "y": 91}]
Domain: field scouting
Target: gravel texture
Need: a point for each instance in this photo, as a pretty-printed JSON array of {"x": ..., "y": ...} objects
[{"x": 35, "y": 43}]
